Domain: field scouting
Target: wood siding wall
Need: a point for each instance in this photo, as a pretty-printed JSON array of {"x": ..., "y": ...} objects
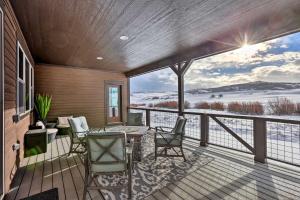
[
  {"x": 77, "y": 91},
  {"x": 14, "y": 132}
]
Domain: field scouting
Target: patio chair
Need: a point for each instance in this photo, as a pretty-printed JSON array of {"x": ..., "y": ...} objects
[
  {"x": 170, "y": 139},
  {"x": 107, "y": 154},
  {"x": 135, "y": 119},
  {"x": 77, "y": 132},
  {"x": 63, "y": 125}
]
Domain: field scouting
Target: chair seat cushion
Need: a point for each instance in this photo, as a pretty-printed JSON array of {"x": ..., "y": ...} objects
[
  {"x": 166, "y": 139},
  {"x": 108, "y": 168}
]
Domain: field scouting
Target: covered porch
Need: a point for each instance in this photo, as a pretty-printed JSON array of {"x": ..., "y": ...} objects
[{"x": 84, "y": 53}]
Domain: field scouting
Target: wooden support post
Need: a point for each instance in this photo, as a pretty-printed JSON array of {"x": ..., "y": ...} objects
[
  {"x": 204, "y": 124},
  {"x": 260, "y": 140},
  {"x": 148, "y": 118},
  {"x": 128, "y": 92},
  {"x": 128, "y": 97},
  {"x": 180, "y": 94},
  {"x": 180, "y": 69}
]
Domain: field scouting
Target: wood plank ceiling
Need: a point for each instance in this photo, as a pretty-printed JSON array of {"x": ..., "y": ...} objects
[{"x": 161, "y": 32}]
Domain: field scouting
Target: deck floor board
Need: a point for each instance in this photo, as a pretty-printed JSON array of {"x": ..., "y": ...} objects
[
  {"x": 47, "y": 172},
  {"x": 230, "y": 175}
]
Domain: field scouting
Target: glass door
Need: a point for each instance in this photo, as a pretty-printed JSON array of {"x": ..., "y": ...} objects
[{"x": 113, "y": 104}]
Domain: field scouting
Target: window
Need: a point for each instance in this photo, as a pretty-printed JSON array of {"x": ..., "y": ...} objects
[{"x": 25, "y": 82}]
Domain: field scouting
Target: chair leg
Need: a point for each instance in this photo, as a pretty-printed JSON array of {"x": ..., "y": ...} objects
[
  {"x": 155, "y": 153},
  {"x": 132, "y": 167},
  {"x": 182, "y": 154},
  {"x": 71, "y": 147},
  {"x": 129, "y": 182}
]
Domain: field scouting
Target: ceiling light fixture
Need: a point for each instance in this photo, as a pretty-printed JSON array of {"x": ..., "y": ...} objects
[
  {"x": 99, "y": 58},
  {"x": 124, "y": 37}
]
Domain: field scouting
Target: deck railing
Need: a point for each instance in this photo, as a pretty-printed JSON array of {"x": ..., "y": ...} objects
[{"x": 277, "y": 139}]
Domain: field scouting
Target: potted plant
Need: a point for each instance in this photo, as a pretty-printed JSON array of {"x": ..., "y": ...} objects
[{"x": 42, "y": 106}]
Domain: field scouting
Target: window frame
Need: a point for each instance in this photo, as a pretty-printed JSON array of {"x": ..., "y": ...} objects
[
  {"x": 24, "y": 81},
  {"x": 121, "y": 85},
  {"x": 31, "y": 86}
]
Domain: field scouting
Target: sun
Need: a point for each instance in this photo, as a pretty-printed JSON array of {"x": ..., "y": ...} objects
[
  {"x": 248, "y": 50},
  {"x": 245, "y": 45}
]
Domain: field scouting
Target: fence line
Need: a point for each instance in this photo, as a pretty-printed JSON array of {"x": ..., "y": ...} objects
[{"x": 264, "y": 137}]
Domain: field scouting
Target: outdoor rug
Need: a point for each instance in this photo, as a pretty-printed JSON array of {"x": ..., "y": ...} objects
[{"x": 150, "y": 175}]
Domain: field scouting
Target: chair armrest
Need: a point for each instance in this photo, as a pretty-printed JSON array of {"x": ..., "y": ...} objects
[
  {"x": 163, "y": 129},
  {"x": 162, "y": 133},
  {"x": 84, "y": 133}
]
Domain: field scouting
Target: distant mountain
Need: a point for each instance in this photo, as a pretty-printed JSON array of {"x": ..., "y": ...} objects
[{"x": 251, "y": 86}]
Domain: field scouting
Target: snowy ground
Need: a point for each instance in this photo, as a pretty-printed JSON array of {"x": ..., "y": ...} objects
[
  {"x": 283, "y": 139},
  {"x": 240, "y": 96}
]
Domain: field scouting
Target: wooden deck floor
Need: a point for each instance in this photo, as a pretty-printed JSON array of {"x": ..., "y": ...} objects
[{"x": 231, "y": 175}]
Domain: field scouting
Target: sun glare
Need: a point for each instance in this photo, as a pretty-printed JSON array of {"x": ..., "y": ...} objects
[
  {"x": 245, "y": 45},
  {"x": 248, "y": 50}
]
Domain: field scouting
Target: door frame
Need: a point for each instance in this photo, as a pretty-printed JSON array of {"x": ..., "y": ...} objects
[
  {"x": 113, "y": 83},
  {"x": 2, "y": 132}
]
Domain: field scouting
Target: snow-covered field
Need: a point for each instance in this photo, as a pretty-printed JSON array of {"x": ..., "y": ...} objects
[
  {"x": 283, "y": 139},
  {"x": 263, "y": 97},
  {"x": 240, "y": 96}
]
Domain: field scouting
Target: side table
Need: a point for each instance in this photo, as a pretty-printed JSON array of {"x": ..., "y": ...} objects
[{"x": 35, "y": 142}]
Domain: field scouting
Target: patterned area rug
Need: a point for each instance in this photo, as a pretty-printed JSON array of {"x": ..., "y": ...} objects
[{"x": 150, "y": 175}]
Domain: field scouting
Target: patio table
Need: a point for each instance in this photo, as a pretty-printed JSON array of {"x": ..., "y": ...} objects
[{"x": 136, "y": 132}]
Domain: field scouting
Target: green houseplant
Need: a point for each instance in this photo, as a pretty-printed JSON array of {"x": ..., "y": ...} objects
[{"x": 42, "y": 106}]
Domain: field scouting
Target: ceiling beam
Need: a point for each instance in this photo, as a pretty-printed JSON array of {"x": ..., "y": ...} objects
[{"x": 262, "y": 29}]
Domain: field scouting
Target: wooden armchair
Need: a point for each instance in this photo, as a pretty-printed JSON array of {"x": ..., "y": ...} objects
[
  {"x": 107, "y": 153},
  {"x": 170, "y": 139}
]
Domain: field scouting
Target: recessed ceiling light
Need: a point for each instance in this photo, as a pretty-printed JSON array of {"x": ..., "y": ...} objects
[
  {"x": 124, "y": 37},
  {"x": 99, "y": 58}
]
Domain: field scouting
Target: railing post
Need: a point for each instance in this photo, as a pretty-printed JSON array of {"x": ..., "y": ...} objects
[
  {"x": 148, "y": 118},
  {"x": 204, "y": 124},
  {"x": 260, "y": 140}
]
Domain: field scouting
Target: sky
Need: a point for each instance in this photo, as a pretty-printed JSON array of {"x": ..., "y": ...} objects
[{"x": 276, "y": 60}]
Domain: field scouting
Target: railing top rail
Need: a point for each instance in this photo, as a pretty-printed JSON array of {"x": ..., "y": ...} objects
[
  {"x": 154, "y": 109},
  {"x": 268, "y": 119}
]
